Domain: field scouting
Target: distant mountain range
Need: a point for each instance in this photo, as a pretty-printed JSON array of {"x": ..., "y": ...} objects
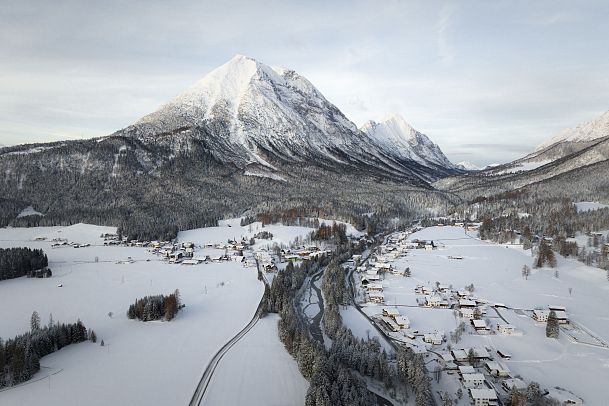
[
  {"x": 575, "y": 162},
  {"x": 249, "y": 138},
  {"x": 198, "y": 157}
]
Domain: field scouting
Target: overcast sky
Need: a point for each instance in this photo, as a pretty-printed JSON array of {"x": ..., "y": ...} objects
[{"x": 486, "y": 80}]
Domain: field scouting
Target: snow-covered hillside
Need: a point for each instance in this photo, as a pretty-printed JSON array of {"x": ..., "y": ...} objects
[
  {"x": 250, "y": 109},
  {"x": 584, "y": 132},
  {"x": 396, "y": 137},
  {"x": 467, "y": 166}
]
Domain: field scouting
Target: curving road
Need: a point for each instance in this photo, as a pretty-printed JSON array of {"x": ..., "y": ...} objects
[{"x": 199, "y": 394}]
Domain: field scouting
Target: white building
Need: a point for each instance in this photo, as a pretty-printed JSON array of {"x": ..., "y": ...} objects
[
  {"x": 497, "y": 369},
  {"x": 402, "y": 321},
  {"x": 541, "y": 315},
  {"x": 480, "y": 326},
  {"x": 390, "y": 312},
  {"x": 376, "y": 297},
  {"x": 433, "y": 338},
  {"x": 467, "y": 312},
  {"x": 508, "y": 330},
  {"x": 483, "y": 397},
  {"x": 475, "y": 380}
]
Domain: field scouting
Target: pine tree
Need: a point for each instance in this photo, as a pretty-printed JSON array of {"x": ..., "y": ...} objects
[
  {"x": 526, "y": 271},
  {"x": 35, "y": 321},
  {"x": 552, "y": 327}
]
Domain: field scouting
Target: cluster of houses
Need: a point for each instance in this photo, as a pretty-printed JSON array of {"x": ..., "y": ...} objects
[
  {"x": 266, "y": 261},
  {"x": 301, "y": 254},
  {"x": 62, "y": 242},
  {"x": 184, "y": 253},
  {"x": 482, "y": 391}
]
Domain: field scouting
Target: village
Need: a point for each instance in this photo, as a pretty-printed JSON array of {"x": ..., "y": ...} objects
[{"x": 443, "y": 322}]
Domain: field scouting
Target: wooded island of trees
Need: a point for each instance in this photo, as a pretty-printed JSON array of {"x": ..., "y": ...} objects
[
  {"x": 17, "y": 262},
  {"x": 156, "y": 307}
]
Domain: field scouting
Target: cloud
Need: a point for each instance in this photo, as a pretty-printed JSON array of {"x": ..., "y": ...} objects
[{"x": 445, "y": 51}]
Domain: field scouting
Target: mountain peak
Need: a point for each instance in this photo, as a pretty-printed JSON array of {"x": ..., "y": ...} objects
[
  {"x": 397, "y": 136},
  {"x": 584, "y": 132}
]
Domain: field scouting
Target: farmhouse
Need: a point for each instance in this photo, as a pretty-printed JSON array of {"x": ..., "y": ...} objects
[
  {"x": 402, "y": 321},
  {"x": 434, "y": 301},
  {"x": 480, "y": 326},
  {"x": 376, "y": 297},
  {"x": 497, "y": 369},
  {"x": 433, "y": 338},
  {"x": 176, "y": 257},
  {"x": 390, "y": 324},
  {"x": 466, "y": 369},
  {"x": 390, "y": 312},
  {"x": 467, "y": 312},
  {"x": 508, "y": 329},
  {"x": 541, "y": 315},
  {"x": 483, "y": 397},
  {"x": 475, "y": 380},
  {"x": 374, "y": 287}
]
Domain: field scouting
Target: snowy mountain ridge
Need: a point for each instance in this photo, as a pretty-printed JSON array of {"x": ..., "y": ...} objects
[
  {"x": 584, "y": 132},
  {"x": 468, "y": 166},
  {"x": 395, "y": 136},
  {"x": 248, "y": 113}
]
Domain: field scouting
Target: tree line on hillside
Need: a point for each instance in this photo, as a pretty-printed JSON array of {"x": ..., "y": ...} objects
[
  {"x": 156, "y": 307},
  {"x": 20, "y": 356},
  {"x": 151, "y": 194},
  {"x": 17, "y": 262}
]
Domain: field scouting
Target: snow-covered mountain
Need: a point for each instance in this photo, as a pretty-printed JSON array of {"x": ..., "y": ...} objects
[
  {"x": 249, "y": 111},
  {"x": 584, "y": 132},
  {"x": 258, "y": 118},
  {"x": 467, "y": 166},
  {"x": 396, "y": 137}
]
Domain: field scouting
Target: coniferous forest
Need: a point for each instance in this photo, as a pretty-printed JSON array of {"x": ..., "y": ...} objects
[
  {"x": 20, "y": 356},
  {"x": 17, "y": 262},
  {"x": 155, "y": 307}
]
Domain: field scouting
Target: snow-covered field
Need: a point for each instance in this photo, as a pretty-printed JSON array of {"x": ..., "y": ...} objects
[
  {"x": 495, "y": 271},
  {"x": 231, "y": 229},
  {"x": 153, "y": 363},
  {"x": 525, "y": 166},
  {"x": 258, "y": 371}
]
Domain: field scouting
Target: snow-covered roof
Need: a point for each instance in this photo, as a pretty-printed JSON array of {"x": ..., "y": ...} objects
[
  {"x": 483, "y": 394},
  {"x": 475, "y": 377}
]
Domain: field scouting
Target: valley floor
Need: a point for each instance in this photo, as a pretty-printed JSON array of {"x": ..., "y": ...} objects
[
  {"x": 152, "y": 363},
  {"x": 576, "y": 361}
]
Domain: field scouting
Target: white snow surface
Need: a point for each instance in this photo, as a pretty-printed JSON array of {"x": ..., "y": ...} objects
[
  {"x": 523, "y": 166},
  {"x": 495, "y": 271},
  {"x": 153, "y": 363},
  {"x": 587, "y": 131},
  {"x": 395, "y": 136},
  {"x": 261, "y": 106},
  {"x": 258, "y": 371},
  {"x": 231, "y": 229},
  {"x": 589, "y": 206},
  {"x": 468, "y": 166},
  {"x": 29, "y": 211}
]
